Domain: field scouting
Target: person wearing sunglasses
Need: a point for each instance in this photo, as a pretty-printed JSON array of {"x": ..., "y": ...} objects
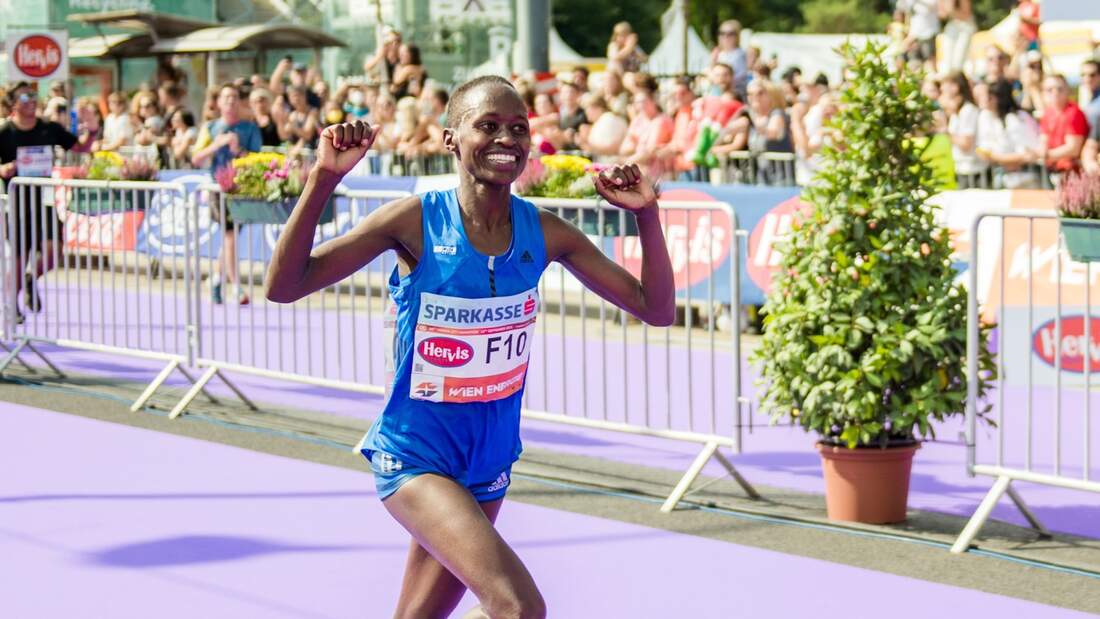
[
  {"x": 729, "y": 52},
  {"x": 26, "y": 149}
]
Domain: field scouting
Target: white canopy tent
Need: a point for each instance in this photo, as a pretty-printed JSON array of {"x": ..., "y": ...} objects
[
  {"x": 669, "y": 58},
  {"x": 812, "y": 53}
]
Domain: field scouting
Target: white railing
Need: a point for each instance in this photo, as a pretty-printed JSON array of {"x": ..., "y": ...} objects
[
  {"x": 134, "y": 276},
  {"x": 1033, "y": 444}
]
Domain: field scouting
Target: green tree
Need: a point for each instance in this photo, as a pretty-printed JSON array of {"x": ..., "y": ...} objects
[
  {"x": 588, "y": 29},
  {"x": 865, "y": 334},
  {"x": 842, "y": 16},
  {"x": 988, "y": 12}
]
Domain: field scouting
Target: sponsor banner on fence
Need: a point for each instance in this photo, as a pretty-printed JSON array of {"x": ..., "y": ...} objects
[
  {"x": 1032, "y": 345},
  {"x": 763, "y": 211},
  {"x": 164, "y": 232}
]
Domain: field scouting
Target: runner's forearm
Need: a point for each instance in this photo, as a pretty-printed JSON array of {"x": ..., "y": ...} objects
[
  {"x": 288, "y": 272},
  {"x": 658, "y": 282}
]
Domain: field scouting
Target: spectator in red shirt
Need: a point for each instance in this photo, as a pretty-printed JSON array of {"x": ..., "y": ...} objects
[
  {"x": 685, "y": 126},
  {"x": 1063, "y": 127},
  {"x": 648, "y": 133},
  {"x": 720, "y": 103}
]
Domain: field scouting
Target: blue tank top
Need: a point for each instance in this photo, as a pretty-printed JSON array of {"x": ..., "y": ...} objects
[{"x": 462, "y": 336}]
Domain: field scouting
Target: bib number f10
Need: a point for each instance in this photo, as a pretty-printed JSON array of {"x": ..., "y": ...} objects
[{"x": 472, "y": 350}]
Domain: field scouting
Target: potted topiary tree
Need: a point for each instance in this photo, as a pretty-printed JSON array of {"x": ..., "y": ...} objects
[{"x": 865, "y": 332}]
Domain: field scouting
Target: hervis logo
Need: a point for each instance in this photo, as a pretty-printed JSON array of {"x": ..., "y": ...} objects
[
  {"x": 446, "y": 352},
  {"x": 37, "y": 55},
  {"x": 1070, "y": 343},
  {"x": 528, "y": 306},
  {"x": 426, "y": 389}
]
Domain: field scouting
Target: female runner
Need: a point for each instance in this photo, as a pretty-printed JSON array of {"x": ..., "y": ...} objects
[{"x": 466, "y": 289}]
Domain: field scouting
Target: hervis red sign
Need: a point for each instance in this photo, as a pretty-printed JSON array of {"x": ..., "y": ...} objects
[
  {"x": 37, "y": 55},
  {"x": 1047, "y": 342},
  {"x": 446, "y": 352}
]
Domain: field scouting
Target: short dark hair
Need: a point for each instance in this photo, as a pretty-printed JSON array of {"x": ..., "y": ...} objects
[
  {"x": 822, "y": 80},
  {"x": 1095, "y": 64},
  {"x": 172, "y": 89},
  {"x": 441, "y": 96},
  {"x": 235, "y": 88},
  {"x": 186, "y": 116},
  {"x": 16, "y": 87},
  {"x": 645, "y": 81},
  {"x": 457, "y": 107}
]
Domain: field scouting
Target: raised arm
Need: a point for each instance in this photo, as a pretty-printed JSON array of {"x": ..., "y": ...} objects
[
  {"x": 653, "y": 298},
  {"x": 297, "y": 269}
]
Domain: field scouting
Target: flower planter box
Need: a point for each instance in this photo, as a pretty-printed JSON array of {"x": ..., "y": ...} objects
[
  {"x": 1082, "y": 238},
  {"x": 105, "y": 201},
  {"x": 260, "y": 211}
]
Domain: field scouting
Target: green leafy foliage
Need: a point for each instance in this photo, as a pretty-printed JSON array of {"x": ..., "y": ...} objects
[
  {"x": 842, "y": 16},
  {"x": 865, "y": 333}
]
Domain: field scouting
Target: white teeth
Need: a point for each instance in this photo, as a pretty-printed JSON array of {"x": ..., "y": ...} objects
[{"x": 501, "y": 158}]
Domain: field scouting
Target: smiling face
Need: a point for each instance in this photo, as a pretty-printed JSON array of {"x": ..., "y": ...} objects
[
  {"x": 491, "y": 136},
  {"x": 229, "y": 100}
]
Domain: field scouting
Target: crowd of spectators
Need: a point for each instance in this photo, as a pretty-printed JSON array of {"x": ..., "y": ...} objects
[{"x": 1008, "y": 119}]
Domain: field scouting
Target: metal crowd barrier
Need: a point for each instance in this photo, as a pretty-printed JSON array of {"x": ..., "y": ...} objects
[
  {"x": 1030, "y": 176},
  {"x": 681, "y": 383},
  {"x": 628, "y": 377},
  {"x": 1033, "y": 446},
  {"x": 774, "y": 169},
  {"x": 331, "y": 338},
  {"x": 423, "y": 165},
  {"x": 100, "y": 295}
]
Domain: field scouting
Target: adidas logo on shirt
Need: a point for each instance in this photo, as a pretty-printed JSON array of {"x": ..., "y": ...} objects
[
  {"x": 526, "y": 257},
  {"x": 446, "y": 250},
  {"x": 500, "y": 483}
]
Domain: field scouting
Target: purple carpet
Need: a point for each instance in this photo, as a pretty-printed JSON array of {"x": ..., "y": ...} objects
[
  {"x": 579, "y": 376},
  {"x": 103, "y": 520}
]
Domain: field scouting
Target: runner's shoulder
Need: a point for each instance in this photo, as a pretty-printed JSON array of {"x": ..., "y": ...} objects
[
  {"x": 558, "y": 234},
  {"x": 401, "y": 217}
]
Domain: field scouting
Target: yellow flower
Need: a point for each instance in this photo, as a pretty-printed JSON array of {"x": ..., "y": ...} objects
[
  {"x": 112, "y": 158},
  {"x": 261, "y": 159},
  {"x": 565, "y": 163}
]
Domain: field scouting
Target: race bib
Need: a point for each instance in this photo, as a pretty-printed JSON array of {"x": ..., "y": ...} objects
[
  {"x": 472, "y": 350},
  {"x": 34, "y": 161}
]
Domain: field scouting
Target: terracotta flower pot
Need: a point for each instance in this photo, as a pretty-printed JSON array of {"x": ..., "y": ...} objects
[{"x": 867, "y": 485}]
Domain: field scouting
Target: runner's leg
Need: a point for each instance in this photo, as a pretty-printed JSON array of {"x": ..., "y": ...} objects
[
  {"x": 429, "y": 589},
  {"x": 446, "y": 520}
]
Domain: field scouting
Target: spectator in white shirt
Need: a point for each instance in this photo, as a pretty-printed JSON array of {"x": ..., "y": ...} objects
[
  {"x": 118, "y": 129},
  {"x": 1007, "y": 138},
  {"x": 962, "y": 127}
]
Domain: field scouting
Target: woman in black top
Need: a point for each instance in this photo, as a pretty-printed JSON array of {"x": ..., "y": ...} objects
[
  {"x": 408, "y": 77},
  {"x": 260, "y": 102}
]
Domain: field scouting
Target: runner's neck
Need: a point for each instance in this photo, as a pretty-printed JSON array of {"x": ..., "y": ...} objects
[{"x": 486, "y": 207}]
